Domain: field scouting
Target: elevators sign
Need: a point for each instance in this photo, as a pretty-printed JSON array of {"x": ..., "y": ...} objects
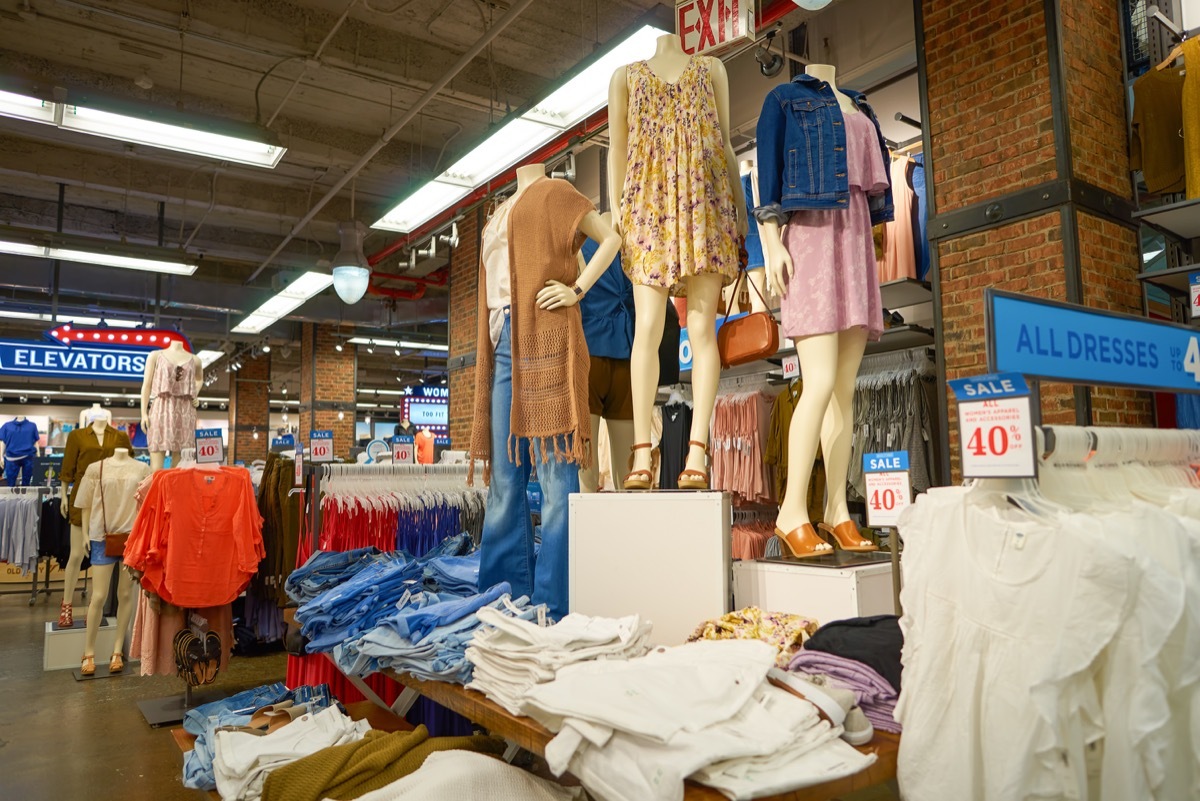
[{"x": 713, "y": 27}]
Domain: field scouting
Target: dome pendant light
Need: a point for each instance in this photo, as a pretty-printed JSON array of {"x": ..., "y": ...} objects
[{"x": 351, "y": 273}]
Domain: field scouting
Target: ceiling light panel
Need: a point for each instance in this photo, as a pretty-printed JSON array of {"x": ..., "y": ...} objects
[
  {"x": 420, "y": 206},
  {"x": 26, "y": 108},
  {"x": 207, "y": 357},
  {"x": 284, "y": 302},
  {"x": 124, "y": 262},
  {"x": 505, "y": 147}
]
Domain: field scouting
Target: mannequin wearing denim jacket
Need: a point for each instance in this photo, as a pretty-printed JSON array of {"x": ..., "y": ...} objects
[{"x": 803, "y": 144}]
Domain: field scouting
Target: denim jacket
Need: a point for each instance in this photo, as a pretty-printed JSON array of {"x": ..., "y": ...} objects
[{"x": 802, "y": 152}]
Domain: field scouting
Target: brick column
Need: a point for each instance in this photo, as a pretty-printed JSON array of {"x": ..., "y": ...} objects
[
  {"x": 1026, "y": 143},
  {"x": 464, "y": 313},
  {"x": 328, "y": 384},
  {"x": 249, "y": 408}
]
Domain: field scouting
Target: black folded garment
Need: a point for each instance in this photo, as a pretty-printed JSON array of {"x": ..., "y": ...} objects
[{"x": 875, "y": 641}]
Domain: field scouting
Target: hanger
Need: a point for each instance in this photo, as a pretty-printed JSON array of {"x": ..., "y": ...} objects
[{"x": 1176, "y": 52}]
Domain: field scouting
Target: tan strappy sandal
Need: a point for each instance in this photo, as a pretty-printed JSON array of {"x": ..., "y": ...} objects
[
  {"x": 88, "y": 666},
  {"x": 638, "y": 479},
  {"x": 802, "y": 543},
  {"x": 694, "y": 479},
  {"x": 847, "y": 537}
]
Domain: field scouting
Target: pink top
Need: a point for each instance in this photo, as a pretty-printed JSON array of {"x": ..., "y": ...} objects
[{"x": 173, "y": 379}]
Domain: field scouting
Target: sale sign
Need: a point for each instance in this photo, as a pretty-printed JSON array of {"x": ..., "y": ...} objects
[
  {"x": 889, "y": 491},
  {"x": 320, "y": 446},
  {"x": 712, "y": 27},
  {"x": 995, "y": 424},
  {"x": 210, "y": 449},
  {"x": 404, "y": 450},
  {"x": 299, "y": 461}
]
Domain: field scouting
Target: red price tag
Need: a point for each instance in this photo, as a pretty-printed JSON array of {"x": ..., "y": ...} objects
[
  {"x": 791, "y": 366},
  {"x": 299, "y": 466},
  {"x": 997, "y": 438},
  {"x": 889, "y": 490}
]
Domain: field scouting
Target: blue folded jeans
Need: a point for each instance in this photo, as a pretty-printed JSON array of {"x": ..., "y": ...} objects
[{"x": 507, "y": 546}]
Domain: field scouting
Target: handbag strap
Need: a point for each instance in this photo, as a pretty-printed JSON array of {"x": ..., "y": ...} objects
[
  {"x": 737, "y": 288},
  {"x": 103, "y": 511}
]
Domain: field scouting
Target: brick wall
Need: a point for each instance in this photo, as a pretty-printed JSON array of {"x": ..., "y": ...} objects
[
  {"x": 249, "y": 407},
  {"x": 989, "y": 98},
  {"x": 464, "y": 313},
  {"x": 336, "y": 380},
  {"x": 1092, "y": 46}
]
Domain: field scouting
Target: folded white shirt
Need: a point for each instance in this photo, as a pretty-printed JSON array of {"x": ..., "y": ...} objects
[
  {"x": 465, "y": 775},
  {"x": 572, "y": 632},
  {"x": 242, "y": 761},
  {"x": 685, "y": 688}
]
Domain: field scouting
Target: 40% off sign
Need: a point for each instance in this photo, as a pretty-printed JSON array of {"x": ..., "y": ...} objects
[
  {"x": 995, "y": 426},
  {"x": 210, "y": 448}
]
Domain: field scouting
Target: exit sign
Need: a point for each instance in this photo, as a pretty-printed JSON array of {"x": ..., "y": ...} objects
[{"x": 712, "y": 27}]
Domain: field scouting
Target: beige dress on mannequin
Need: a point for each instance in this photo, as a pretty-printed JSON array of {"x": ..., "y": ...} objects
[{"x": 172, "y": 381}]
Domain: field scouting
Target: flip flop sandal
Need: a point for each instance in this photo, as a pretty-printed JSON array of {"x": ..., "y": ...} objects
[
  {"x": 195, "y": 661},
  {"x": 179, "y": 645},
  {"x": 212, "y": 651}
]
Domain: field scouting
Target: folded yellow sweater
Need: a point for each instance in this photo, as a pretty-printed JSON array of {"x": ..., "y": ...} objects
[{"x": 345, "y": 772}]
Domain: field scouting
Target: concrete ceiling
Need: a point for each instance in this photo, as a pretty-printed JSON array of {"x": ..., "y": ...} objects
[{"x": 327, "y": 77}]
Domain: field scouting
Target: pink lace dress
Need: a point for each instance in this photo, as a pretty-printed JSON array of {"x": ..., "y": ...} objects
[
  {"x": 835, "y": 285},
  {"x": 172, "y": 415}
]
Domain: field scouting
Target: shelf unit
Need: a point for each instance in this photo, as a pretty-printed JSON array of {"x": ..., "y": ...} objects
[{"x": 1181, "y": 220}]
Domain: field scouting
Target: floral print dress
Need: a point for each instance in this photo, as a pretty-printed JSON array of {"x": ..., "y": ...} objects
[{"x": 677, "y": 210}]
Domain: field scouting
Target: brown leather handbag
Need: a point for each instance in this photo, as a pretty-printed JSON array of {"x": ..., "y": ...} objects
[
  {"x": 750, "y": 338},
  {"x": 114, "y": 544}
]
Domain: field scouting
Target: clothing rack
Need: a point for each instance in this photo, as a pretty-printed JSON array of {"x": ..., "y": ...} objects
[{"x": 34, "y": 592}]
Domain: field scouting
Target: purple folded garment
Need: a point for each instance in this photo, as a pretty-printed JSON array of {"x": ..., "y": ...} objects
[
  {"x": 881, "y": 720},
  {"x": 853, "y": 675}
]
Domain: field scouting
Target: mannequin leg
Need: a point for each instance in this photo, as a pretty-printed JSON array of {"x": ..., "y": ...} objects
[
  {"x": 837, "y": 429},
  {"x": 157, "y": 459},
  {"x": 818, "y": 364},
  {"x": 620, "y": 440},
  {"x": 79, "y": 546},
  {"x": 758, "y": 299},
  {"x": 703, "y": 293},
  {"x": 126, "y": 603},
  {"x": 589, "y": 477},
  {"x": 95, "y": 615},
  {"x": 650, "y": 306}
]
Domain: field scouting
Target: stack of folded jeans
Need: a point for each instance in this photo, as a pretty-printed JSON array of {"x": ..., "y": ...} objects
[
  {"x": 357, "y": 604},
  {"x": 454, "y": 574},
  {"x": 457, "y": 545},
  {"x": 512, "y": 655},
  {"x": 203, "y": 721},
  {"x": 876, "y": 696},
  {"x": 242, "y": 761},
  {"x": 428, "y": 637},
  {"x": 325, "y": 570}
]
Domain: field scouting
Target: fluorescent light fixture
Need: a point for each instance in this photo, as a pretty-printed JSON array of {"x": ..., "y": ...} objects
[
  {"x": 570, "y": 104},
  {"x": 398, "y": 343},
  {"x": 26, "y": 108},
  {"x": 587, "y": 93},
  {"x": 68, "y": 318},
  {"x": 284, "y": 302},
  {"x": 1151, "y": 256},
  {"x": 139, "y": 131},
  {"x": 207, "y": 357},
  {"x": 99, "y": 257},
  {"x": 382, "y": 391}
]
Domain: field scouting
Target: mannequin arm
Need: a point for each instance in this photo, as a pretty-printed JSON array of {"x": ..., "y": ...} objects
[
  {"x": 618, "y": 141},
  {"x": 720, "y": 81},
  {"x": 557, "y": 295},
  {"x": 779, "y": 261},
  {"x": 151, "y": 361},
  {"x": 199, "y": 379}
]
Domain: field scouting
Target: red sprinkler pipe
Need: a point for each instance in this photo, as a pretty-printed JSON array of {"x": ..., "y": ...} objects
[
  {"x": 436, "y": 278},
  {"x": 397, "y": 294}
]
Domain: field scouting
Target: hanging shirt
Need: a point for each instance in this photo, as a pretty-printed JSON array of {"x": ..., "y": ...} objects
[
  {"x": 425, "y": 446},
  {"x": 20, "y": 438},
  {"x": 494, "y": 252}
]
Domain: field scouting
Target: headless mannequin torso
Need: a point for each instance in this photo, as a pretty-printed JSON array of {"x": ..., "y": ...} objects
[
  {"x": 828, "y": 364},
  {"x": 178, "y": 356},
  {"x": 703, "y": 291}
]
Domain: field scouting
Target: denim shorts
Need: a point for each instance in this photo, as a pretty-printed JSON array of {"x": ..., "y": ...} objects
[{"x": 98, "y": 556}]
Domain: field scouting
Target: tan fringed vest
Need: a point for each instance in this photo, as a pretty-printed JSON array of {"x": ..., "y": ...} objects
[{"x": 549, "y": 354}]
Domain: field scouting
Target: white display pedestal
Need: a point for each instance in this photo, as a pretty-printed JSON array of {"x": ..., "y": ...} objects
[
  {"x": 662, "y": 555},
  {"x": 64, "y": 648},
  {"x": 823, "y": 593}
]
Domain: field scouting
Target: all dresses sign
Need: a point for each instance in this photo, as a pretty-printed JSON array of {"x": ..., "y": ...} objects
[
  {"x": 711, "y": 27},
  {"x": 98, "y": 353}
]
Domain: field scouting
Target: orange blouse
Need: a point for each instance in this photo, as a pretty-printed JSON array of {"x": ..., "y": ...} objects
[{"x": 198, "y": 536}]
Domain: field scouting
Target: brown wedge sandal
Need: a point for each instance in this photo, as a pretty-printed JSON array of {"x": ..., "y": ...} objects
[
  {"x": 802, "y": 543},
  {"x": 847, "y": 537},
  {"x": 694, "y": 479},
  {"x": 638, "y": 479}
]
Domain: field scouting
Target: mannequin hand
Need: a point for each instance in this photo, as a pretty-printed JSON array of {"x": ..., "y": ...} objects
[
  {"x": 195, "y": 403},
  {"x": 779, "y": 272},
  {"x": 65, "y": 505},
  {"x": 556, "y": 295}
]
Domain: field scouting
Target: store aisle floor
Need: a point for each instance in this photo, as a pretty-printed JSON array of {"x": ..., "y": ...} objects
[{"x": 62, "y": 739}]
